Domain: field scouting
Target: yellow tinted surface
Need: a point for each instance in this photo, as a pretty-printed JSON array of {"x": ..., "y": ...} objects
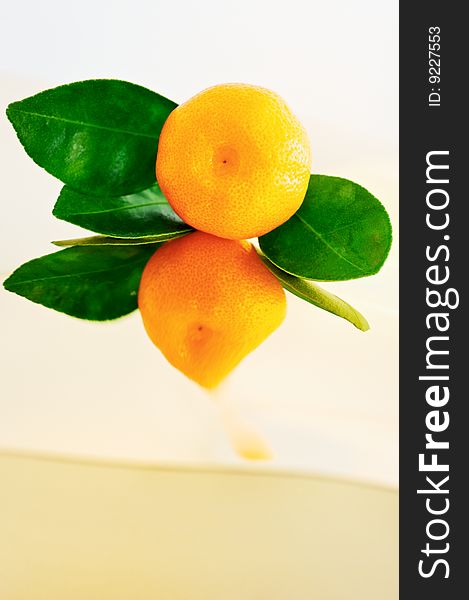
[{"x": 73, "y": 530}]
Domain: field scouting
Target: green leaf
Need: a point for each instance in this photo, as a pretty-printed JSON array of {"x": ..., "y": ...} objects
[
  {"x": 312, "y": 293},
  {"x": 339, "y": 232},
  {"x": 144, "y": 214},
  {"x": 99, "y": 136},
  {"x": 95, "y": 283},
  {"x": 103, "y": 240}
]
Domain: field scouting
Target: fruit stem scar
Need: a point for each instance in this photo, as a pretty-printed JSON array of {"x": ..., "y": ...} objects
[{"x": 225, "y": 160}]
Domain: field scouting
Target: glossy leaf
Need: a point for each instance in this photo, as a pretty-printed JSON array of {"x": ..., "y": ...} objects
[
  {"x": 312, "y": 293},
  {"x": 144, "y": 214},
  {"x": 98, "y": 136},
  {"x": 340, "y": 232},
  {"x": 95, "y": 283},
  {"x": 103, "y": 240}
]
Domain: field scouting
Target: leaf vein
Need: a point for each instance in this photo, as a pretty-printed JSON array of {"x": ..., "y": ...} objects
[
  {"x": 112, "y": 210},
  {"x": 326, "y": 243},
  {"x": 90, "y": 125},
  {"x": 67, "y": 275}
]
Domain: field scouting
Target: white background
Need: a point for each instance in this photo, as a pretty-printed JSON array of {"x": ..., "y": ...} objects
[{"x": 323, "y": 394}]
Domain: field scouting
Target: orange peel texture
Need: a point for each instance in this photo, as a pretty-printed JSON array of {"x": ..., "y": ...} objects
[
  {"x": 234, "y": 161},
  {"x": 207, "y": 302}
]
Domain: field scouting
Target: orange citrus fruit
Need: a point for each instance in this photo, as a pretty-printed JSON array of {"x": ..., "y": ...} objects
[
  {"x": 234, "y": 161},
  {"x": 206, "y": 302}
]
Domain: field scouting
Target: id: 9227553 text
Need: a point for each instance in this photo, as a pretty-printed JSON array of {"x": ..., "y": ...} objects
[{"x": 434, "y": 67}]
